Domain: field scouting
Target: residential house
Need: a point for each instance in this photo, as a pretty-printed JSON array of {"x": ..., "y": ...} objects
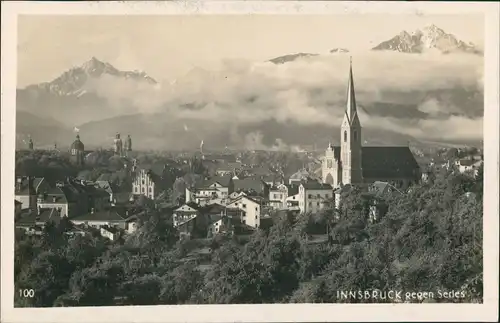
[
  {"x": 251, "y": 186},
  {"x": 33, "y": 221},
  {"x": 252, "y": 208},
  {"x": 313, "y": 195},
  {"x": 185, "y": 213},
  {"x": 469, "y": 165},
  {"x": 25, "y": 192},
  {"x": 214, "y": 190},
  {"x": 190, "y": 221},
  {"x": 60, "y": 198},
  {"x": 120, "y": 218},
  {"x": 278, "y": 195}
]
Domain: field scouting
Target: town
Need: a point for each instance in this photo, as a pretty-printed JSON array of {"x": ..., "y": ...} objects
[{"x": 200, "y": 227}]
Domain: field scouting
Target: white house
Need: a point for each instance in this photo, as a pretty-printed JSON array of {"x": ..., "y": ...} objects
[
  {"x": 252, "y": 208},
  {"x": 278, "y": 196},
  {"x": 312, "y": 196},
  {"x": 468, "y": 165},
  {"x": 214, "y": 190},
  {"x": 110, "y": 218},
  {"x": 185, "y": 213}
]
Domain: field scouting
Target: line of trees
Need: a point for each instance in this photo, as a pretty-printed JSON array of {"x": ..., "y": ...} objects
[{"x": 430, "y": 239}]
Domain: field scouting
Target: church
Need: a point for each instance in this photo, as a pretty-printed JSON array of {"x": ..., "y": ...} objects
[{"x": 351, "y": 163}]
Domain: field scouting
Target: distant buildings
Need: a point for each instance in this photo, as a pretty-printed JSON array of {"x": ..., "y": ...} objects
[{"x": 469, "y": 165}]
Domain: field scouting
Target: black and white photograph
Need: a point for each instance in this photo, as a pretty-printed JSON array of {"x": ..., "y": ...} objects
[{"x": 215, "y": 159}]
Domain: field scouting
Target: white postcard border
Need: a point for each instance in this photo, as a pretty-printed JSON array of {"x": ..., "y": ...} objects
[{"x": 488, "y": 311}]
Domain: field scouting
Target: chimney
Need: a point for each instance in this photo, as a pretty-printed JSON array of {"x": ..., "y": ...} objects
[
  {"x": 92, "y": 210},
  {"x": 126, "y": 212},
  {"x": 53, "y": 199},
  {"x": 39, "y": 210}
]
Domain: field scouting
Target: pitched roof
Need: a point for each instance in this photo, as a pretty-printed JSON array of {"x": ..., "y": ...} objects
[
  {"x": 59, "y": 195},
  {"x": 16, "y": 202},
  {"x": 222, "y": 180},
  {"x": 248, "y": 184},
  {"x": 388, "y": 162},
  {"x": 313, "y": 185},
  {"x": 33, "y": 217},
  {"x": 385, "y": 161},
  {"x": 107, "y": 215}
]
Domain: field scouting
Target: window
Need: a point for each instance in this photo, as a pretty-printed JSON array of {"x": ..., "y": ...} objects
[
  {"x": 143, "y": 189},
  {"x": 150, "y": 189},
  {"x": 309, "y": 196},
  {"x": 310, "y": 203},
  {"x": 317, "y": 203},
  {"x": 345, "y": 136},
  {"x": 329, "y": 163},
  {"x": 243, "y": 205},
  {"x": 142, "y": 182},
  {"x": 255, "y": 217},
  {"x": 256, "y": 208}
]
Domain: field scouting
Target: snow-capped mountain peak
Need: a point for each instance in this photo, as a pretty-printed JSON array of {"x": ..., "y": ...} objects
[
  {"x": 72, "y": 81},
  {"x": 428, "y": 38}
]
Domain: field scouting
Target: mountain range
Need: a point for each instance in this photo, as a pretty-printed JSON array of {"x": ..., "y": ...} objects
[
  {"x": 428, "y": 39},
  {"x": 91, "y": 97}
]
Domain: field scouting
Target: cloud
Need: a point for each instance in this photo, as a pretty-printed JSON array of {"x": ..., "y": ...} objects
[{"x": 425, "y": 96}]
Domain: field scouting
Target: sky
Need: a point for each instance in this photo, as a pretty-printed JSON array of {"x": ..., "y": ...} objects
[{"x": 167, "y": 47}]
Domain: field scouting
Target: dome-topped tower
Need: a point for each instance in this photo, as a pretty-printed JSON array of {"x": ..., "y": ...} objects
[
  {"x": 77, "y": 151},
  {"x": 118, "y": 145}
]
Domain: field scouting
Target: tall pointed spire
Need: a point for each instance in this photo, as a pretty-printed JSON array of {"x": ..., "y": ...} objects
[{"x": 351, "y": 97}]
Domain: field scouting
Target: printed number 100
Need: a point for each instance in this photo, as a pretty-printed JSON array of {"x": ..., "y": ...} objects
[{"x": 27, "y": 293}]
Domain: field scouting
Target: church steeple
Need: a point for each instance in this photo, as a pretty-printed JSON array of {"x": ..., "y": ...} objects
[
  {"x": 350, "y": 133},
  {"x": 351, "y": 96}
]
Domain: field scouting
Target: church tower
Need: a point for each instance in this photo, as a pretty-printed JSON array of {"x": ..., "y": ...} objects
[
  {"x": 118, "y": 145},
  {"x": 330, "y": 167},
  {"x": 350, "y": 138},
  {"x": 77, "y": 151}
]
